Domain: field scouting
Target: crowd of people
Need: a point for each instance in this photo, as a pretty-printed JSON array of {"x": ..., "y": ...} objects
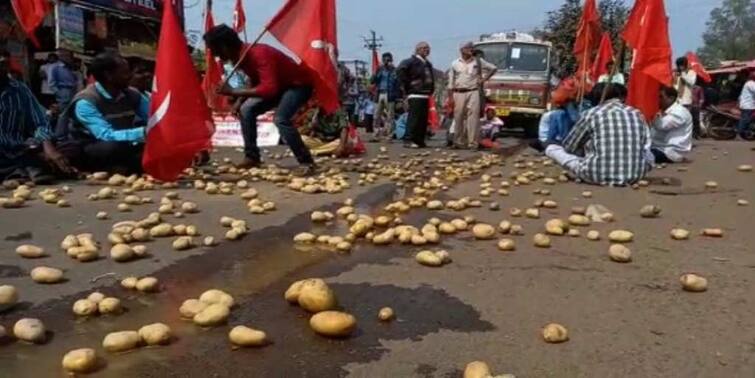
[{"x": 589, "y": 129}]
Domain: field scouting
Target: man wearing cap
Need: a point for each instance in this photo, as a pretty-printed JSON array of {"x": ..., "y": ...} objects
[{"x": 465, "y": 78}]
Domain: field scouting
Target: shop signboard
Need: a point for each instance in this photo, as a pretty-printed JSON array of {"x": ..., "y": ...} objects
[
  {"x": 70, "y": 28},
  {"x": 143, "y": 8}
]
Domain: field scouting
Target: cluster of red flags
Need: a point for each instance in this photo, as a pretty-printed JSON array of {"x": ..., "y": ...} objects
[
  {"x": 30, "y": 14},
  {"x": 646, "y": 32},
  {"x": 180, "y": 124},
  {"x": 588, "y": 37}
]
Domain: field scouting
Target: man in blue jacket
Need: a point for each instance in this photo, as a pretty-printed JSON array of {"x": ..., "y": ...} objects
[{"x": 388, "y": 92}]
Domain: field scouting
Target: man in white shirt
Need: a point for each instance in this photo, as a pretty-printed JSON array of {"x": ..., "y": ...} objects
[
  {"x": 618, "y": 78},
  {"x": 747, "y": 106},
  {"x": 45, "y": 74},
  {"x": 684, "y": 81},
  {"x": 671, "y": 134},
  {"x": 465, "y": 78}
]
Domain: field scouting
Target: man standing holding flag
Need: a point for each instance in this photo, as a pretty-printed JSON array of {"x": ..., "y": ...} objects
[{"x": 277, "y": 83}]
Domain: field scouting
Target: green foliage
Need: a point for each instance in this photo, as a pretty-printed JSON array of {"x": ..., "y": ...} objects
[
  {"x": 730, "y": 33},
  {"x": 560, "y": 28}
]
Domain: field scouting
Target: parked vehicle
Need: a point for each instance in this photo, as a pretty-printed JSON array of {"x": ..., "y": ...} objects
[
  {"x": 720, "y": 121},
  {"x": 519, "y": 90}
]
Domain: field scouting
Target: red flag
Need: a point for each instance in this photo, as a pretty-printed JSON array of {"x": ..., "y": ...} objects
[
  {"x": 605, "y": 55},
  {"x": 308, "y": 29},
  {"x": 239, "y": 17},
  {"x": 588, "y": 34},
  {"x": 30, "y": 14},
  {"x": 647, "y": 33},
  {"x": 375, "y": 61},
  {"x": 694, "y": 63},
  {"x": 213, "y": 76},
  {"x": 180, "y": 124}
]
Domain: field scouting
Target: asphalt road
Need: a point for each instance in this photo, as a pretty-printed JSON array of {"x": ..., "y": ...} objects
[{"x": 624, "y": 319}]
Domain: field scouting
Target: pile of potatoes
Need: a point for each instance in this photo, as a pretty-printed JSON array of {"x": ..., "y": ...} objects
[
  {"x": 81, "y": 247},
  {"x": 97, "y": 303},
  {"x": 53, "y": 196},
  {"x": 237, "y": 228},
  {"x": 151, "y": 335},
  {"x": 433, "y": 259},
  {"x": 211, "y": 309},
  {"x": 144, "y": 284},
  {"x": 314, "y": 296},
  {"x": 334, "y": 183},
  {"x": 258, "y": 206}
]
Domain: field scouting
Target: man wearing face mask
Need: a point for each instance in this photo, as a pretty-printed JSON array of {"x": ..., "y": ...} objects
[{"x": 417, "y": 78}]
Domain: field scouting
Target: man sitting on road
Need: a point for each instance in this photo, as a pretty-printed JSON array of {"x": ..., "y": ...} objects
[
  {"x": 26, "y": 148},
  {"x": 278, "y": 82},
  {"x": 608, "y": 145},
  {"x": 671, "y": 134},
  {"x": 103, "y": 118}
]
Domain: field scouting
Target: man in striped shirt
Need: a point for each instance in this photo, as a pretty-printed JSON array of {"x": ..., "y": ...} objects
[
  {"x": 609, "y": 145},
  {"x": 26, "y": 149}
]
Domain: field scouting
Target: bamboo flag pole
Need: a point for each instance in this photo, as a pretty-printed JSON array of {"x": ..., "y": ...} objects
[{"x": 581, "y": 92}]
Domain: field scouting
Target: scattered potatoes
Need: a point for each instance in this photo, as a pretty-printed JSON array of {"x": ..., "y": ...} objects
[
  {"x": 712, "y": 232},
  {"x": 429, "y": 258},
  {"x": 619, "y": 253},
  {"x": 129, "y": 283},
  {"x": 147, "y": 285},
  {"x": 593, "y": 235},
  {"x": 620, "y": 236},
  {"x": 82, "y": 360},
  {"x": 506, "y": 245},
  {"x": 541, "y": 241},
  {"x": 650, "y": 211},
  {"x": 315, "y": 295},
  {"x": 46, "y": 275},
  {"x": 156, "y": 334},
  {"x": 477, "y": 369},
  {"x": 84, "y": 307},
  {"x": 555, "y": 333},
  {"x": 693, "y": 282},
  {"x": 30, "y": 251},
  {"x": 214, "y": 296},
  {"x": 212, "y": 315},
  {"x": 483, "y": 231},
  {"x": 122, "y": 341},
  {"x": 122, "y": 253},
  {"x": 247, "y": 337},
  {"x": 679, "y": 234},
  {"x": 386, "y": 314},
  {"x": 8, "y": 296},
  {"x": 556, "y": 227},
  {"x": 191, "y": 307},
  {"x": 578, "y": 220},
  {"x": 333, "y": 323},
  {"x": 30, "y": 330},
  {"x": 110, "y": 305}
]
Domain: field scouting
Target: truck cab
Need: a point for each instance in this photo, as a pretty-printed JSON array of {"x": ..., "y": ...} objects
[{"x": 520, "y": 89}]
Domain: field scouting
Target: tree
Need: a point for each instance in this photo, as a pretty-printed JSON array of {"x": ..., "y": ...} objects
[
  {"x": 560, "y": 28},
  {"x": 730, "y": 33}
]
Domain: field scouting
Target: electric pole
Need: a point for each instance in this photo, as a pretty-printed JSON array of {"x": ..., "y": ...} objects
[{"x": 373, "y": 42}]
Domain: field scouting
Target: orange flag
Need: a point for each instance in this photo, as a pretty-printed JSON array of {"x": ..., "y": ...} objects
[
  {"x": 605, "y": 55},
  {"x": 647, "y": 33},
  {"x": 213, "y": 76},
  {"x": 588, "y": 34},
  {"x": 694, "y": 63},
  {"x": 30, "y": 14}
]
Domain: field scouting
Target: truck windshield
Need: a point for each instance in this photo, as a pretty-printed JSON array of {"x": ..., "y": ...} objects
[
  {"x": 516, "y": 56},
  {"x": 527, "y": 57},
  {"x": 496, "y": 53}
]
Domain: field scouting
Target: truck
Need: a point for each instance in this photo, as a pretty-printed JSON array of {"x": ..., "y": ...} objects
[{"x": 520, "y": 90}]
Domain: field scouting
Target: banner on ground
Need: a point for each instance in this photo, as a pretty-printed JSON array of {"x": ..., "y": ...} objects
[{"x": 228, "y": 131}]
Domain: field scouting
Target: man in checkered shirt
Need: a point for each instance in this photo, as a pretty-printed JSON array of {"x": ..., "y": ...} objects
[{"x": 609, "y": 145}]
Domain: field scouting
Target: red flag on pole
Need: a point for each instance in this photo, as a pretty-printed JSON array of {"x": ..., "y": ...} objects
[
  {"x": 180, "y": 124},
  {"x": 605, "y": 55},
  {"x": 239, "y": 17},
  {"x": 213, "y": 76},
  {"x": 588, "y": 34},
  {"x": 30, "y": 14},
  {"x": 694, "y": 63},
  {"x": 308, "y": 29},
  {"x": 647, "y": 33},
  {"x": 375, "y": 61}
]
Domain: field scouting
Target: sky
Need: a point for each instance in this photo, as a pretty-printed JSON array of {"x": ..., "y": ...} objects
[{"x": 443, "y": 23}]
